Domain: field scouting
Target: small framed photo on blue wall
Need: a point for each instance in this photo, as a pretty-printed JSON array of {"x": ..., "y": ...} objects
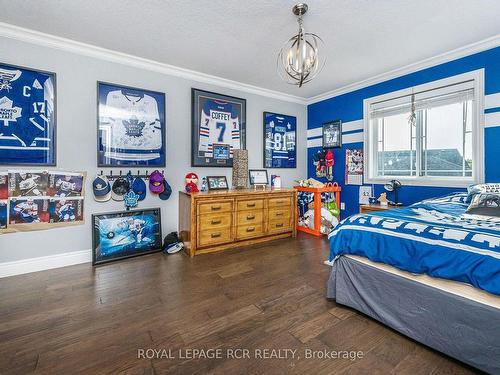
[
  {"x": 131, "y": 126},
  {"x": 27, "y": 116},
  {"x": 332, "y": 134},
  {"x": 280, "y": 141}
]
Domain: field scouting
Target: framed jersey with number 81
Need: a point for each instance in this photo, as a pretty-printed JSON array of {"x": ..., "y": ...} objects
[
  {"x": 218, "y": 124},
  {"x": 279, "y": 141}
]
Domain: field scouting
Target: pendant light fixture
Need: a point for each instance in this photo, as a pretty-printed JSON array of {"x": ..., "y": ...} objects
[{"x": 299, "y": 60}]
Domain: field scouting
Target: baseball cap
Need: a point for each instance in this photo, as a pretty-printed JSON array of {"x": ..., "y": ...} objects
[
  {"x": 139, "y": 187},
  {"x": 101, "y": 188},
  {"x": 156, "y": 182},
  {"x": 191, "y": 175},
  {"x": 119, "y": 189},
  {"x": 165, "y": 194}
]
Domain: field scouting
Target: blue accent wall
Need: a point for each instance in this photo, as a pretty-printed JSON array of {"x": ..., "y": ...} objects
[{"x": 349, "y": 107}]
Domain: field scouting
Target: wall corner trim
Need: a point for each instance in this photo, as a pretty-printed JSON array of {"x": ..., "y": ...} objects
[
  {"x": 23, "y": 266},
  {"x": 36, "y": 37}
]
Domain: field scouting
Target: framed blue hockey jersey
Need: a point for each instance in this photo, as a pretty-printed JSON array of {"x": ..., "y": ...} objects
[
  {"x": 280, "y": 141},
  {"x": 218, "y": 128},
  {"x": 131, "y": 126},
  {"x": 27, "y": 116}
]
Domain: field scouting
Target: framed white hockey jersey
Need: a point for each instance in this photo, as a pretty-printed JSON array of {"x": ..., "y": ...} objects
[
  {"x": 218, "y": 128},
  {"x": 279, "y": 141},
  {"x": 131, "y": 126},
  {"x": 27, "y": 116}
]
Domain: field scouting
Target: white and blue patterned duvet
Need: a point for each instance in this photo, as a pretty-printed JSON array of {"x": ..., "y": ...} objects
[{"x": 435, "y": 237}]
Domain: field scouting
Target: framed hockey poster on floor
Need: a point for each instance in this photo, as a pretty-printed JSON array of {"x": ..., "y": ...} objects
[
  {"x": 279, "y": 141},
  {"x": 118, "y": 235},
  {"x": 218, "y": 123},
  {"x": 131, "y": 126},
  {"x": 27, "y": 116}
]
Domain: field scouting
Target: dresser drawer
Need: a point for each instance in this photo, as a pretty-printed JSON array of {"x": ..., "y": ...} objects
[
  {"x": 247, "y": 231},
  {"x": 280, "y": 202},
  {"x": 214, "y": 237},
  {"x": 215, "y": 221},
  {"x": 215, "y": 207},
  {"x": 281, "y": 225},
  {"x": 254, "y": 204},
  {"x": 280, "y": 213},
  {"x": 250, "y": 217}
]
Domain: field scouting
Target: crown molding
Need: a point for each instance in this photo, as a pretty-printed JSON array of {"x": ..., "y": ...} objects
[
  {"x": 455, "y": 54},
  {"x": 69, "y": 45}
]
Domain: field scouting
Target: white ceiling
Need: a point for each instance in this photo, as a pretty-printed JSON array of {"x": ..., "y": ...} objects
[{"x": 239, "y": 40}]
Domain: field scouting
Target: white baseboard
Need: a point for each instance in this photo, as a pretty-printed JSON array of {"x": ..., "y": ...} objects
[{"x": 20, "y": 267}]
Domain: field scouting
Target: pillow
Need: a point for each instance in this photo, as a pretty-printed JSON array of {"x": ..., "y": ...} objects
[
  {"x": 485, "y": 204},
  {"x": 482, "y": 188}
]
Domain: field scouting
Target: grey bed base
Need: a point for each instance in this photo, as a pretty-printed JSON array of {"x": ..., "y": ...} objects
[{"x": 459, "y": 327}]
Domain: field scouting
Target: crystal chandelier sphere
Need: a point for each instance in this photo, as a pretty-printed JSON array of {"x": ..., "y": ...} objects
[{"x": 299, "y": 60}]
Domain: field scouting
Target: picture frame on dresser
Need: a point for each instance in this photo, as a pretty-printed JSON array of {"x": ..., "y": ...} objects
[
  {"x": 125, "y": 234},
  {"x": 28, "y": 100},
  {"x": 258, "y": 176},
  {"x": 217, "y": 183},
  {"x": 131, "y": 126},
  {"x": 280, "y": 134},
  {"x": 218, "y": 121}
]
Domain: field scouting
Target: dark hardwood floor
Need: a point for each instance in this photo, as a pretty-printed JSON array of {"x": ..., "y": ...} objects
[{"x": 80, "y": 320}]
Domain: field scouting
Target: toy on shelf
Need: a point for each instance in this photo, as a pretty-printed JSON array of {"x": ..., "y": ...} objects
[
  {"x": 318, "y": 211},
  {"x": 191, "y": 183},
  {"x": 204, "y": 185}
]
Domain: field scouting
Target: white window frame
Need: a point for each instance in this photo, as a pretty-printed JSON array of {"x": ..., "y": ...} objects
[{"x": 370, "y": 148}]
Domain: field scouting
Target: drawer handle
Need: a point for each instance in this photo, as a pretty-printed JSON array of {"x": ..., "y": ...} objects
[
  {"x": 279, "y": 225},
  {"x": 216, "y": 208},
  {"x": 250, "y": 217},
  {"x": 250, "y": 204},
  {"x": 252, "y": 229},
  {"x": 279, "y": 213},
  {"x": 215, "y": 222},
  {"x": 280, "y": 202},
  {"x": 215, "y": 235}
]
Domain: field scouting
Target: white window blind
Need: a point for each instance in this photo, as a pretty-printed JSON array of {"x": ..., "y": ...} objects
[{"x": 426, "y": 134}]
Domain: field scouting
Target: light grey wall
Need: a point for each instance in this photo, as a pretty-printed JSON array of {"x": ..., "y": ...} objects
[{"x": 76, "y": 131}]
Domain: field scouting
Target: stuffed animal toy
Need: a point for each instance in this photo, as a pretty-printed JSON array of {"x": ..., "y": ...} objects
[
  {"x": 191, "y": 183},
  {"x": 383, "y": 199}
]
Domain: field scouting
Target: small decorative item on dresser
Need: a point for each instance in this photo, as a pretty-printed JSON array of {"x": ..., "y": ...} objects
[
  {"x": 217, "y": 183},
  {"x": 240, "y": 169},
  {"x": 258, "y": 177},
  {"x": 191, "y": 183},
  {"x": 275, "y": 181}
]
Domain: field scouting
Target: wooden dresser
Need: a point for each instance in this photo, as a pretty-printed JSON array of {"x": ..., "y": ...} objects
[{"x": 224, "y": 219}]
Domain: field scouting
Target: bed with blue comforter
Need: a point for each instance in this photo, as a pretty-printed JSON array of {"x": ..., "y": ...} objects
[{"x": 434, "y": 237}]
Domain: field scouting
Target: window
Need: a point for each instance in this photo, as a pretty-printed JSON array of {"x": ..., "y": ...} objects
[{"x": 427, "y": 135}]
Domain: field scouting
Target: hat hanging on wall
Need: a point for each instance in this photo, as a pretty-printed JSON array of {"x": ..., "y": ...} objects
[
  {"x": 101, "y": 188},
  {"x": 139, "y": 187},
  {"x": 167, "y": 191},
  {"x": 119, "y": 189},
  {"x": 156, "y": 182}
]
